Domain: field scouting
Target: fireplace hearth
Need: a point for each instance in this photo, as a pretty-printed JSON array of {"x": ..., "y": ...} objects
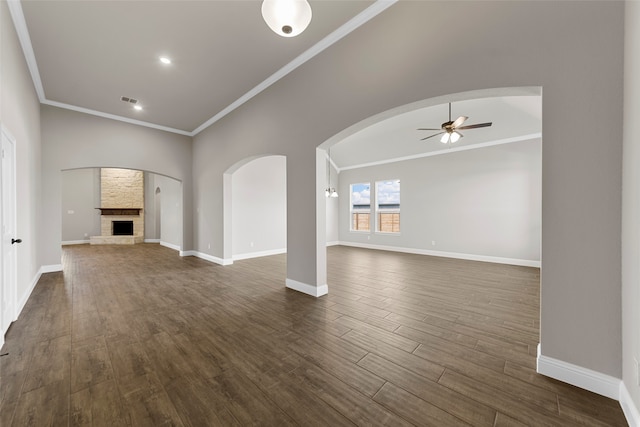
[{"x": 121, "y": 207}]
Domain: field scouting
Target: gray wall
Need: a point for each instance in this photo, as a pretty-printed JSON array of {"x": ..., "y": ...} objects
[
  {"x": 399, "y": 57},
  {"x": 259, "y": 206},
  {"x": 80, "y": 198},
  {"x": 171, "y": 210},
  {"x": 631, "y": 204},
  {"x": 150, "y": 207},
  {"x": 81, "y": 194},
  {"x": 20, "y": 115},
  {"x": 73, "y": 140},
  {"x": 483, "y": 202},
  {"x": 572, "y": 49}
]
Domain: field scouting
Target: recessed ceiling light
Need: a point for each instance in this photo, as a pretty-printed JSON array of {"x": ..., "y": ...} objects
[
  {"x": 165, "y": 60},
  {"x": 137, "y": 107}
]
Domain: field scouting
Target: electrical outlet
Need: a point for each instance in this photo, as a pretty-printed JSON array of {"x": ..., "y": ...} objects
[
  {"x": 251, "y": 244},
  {"x": 209, "y": 246},
  {"x": 433, "y": 243}
]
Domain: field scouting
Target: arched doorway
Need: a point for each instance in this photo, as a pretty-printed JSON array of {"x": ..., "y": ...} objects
[
  {"x": 158, "y": 213},
  {"x": 255, "y": 206}
]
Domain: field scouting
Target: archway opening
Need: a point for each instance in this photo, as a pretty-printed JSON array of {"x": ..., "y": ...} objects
[
  {"x": 157, "y": 201},
  {"x": 478, "y": 199},
  {"x": 255, "y": 208}
]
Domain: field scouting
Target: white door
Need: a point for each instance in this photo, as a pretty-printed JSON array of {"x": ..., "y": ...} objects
[{"x": 7, "y": 231}]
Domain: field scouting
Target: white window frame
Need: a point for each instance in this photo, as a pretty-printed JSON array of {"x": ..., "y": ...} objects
[
  {"x": 378, "y": 211},
  {"x": 353, "y": 211}
]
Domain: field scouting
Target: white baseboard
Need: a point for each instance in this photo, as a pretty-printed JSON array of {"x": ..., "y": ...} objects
[
  {"x": 470, "y": 257},
  {"x": 333, "y": 243},
  {"x": 314, "y": 291},
  {"x": 629, "y": 408},
  {"x": 578, "y": 376},
  {"x": 207, "y": 257},
  {"x": 152, "y": 240},
  {"x": 596, "y": 382},
  {"x": 75, "y": 242},
  {"x": 259, "y": 254},
  {"x": 25, "y": 297},
  {"x": 44, "y": 269},
  {"x": 170, "y": 246},
  {"x": 53, "y": 268}
]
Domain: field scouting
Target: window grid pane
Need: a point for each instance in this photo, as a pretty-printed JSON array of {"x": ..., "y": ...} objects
[
  {"x": 387, "y": 205},
  {"x": 389, "y": 222},
  {"x": 360, "y": 207},
  {"x": 360, "y": 221}
]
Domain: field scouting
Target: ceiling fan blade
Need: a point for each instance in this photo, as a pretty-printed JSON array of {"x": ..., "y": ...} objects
[
  {"x": 430, "y": 129},
  {"x": 476, "y": 126},
  {"x": 431, "y": 136},
  {"x": 460, "y": 120}
]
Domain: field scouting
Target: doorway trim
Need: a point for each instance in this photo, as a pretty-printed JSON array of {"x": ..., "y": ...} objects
[{"x": 11, "y": 287}]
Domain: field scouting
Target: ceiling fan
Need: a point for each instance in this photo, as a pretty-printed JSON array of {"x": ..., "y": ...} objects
[{"x": 449, "y": 130}]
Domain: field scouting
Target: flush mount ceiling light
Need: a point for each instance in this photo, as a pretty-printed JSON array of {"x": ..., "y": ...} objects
[
  {"x": 165, "y": 60},
  {"x": 137, "y": 107},
  {"x": 287, "y": 18}
]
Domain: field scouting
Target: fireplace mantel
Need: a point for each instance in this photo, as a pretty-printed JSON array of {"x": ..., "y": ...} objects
[{"x": 120, "y": 211}]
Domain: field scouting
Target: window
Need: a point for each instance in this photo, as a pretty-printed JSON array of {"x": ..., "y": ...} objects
[
  {"x": 388, "y": 206},
  {"x": 360, "y": 207}
]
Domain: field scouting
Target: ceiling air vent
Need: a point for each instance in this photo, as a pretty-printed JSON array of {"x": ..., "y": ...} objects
[{"x": 129, "y": 100}]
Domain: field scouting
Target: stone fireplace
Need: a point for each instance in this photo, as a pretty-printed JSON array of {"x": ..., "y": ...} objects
[{"x": 122, "y": 202}]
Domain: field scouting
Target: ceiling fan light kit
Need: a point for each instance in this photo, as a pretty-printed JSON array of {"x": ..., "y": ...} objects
[
  {"x": 287, "y": 18},
  {"x": 449, "y": 130}
]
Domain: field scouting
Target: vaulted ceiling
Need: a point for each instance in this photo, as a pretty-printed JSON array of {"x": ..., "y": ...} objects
[{"x": 87, "y": 55}]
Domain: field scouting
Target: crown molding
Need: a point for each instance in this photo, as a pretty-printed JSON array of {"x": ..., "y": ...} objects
[
  {"x": 354, "y": 23},
  {"x": 15, "y": 8},
  {"x": 115, "y": 117},
  {"x": 20, "y": 24},
  {"x": 446, "y": 151}
]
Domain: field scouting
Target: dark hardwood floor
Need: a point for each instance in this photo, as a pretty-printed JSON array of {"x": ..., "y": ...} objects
[{"x": 137, "y": 336}]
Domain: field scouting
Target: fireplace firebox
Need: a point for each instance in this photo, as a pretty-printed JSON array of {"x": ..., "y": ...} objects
[{"x": 122, "y": 228}]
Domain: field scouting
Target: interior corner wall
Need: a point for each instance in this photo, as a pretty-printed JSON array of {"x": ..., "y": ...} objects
[
  {"x": 20, "y": 115},
  {"x": 631, "y": 205},
  {"x": 80, "y": 198},
  {"x": 483, "y": 203},
  {"x": 150, "y": 206},
  {"x": 171, "y": 208},
  {"x": 72, "y": 140},
  {"x": 376, "y": 68},
  {"x": 259, "y": 207}
]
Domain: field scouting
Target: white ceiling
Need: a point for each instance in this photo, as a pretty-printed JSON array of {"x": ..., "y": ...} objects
[
  {"x": 90, "y": 53},
  {"x": 85, "y": 54},
  {"x": 514, "y": 118}
]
